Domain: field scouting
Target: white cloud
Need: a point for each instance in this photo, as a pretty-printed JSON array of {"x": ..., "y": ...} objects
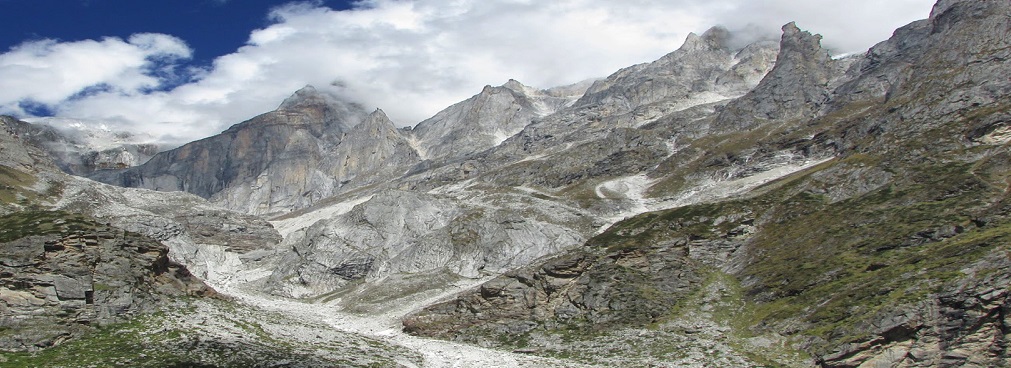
[
  {"x": 49, "y": 72},
  {"x": 411, "y": 58},
  {"x": 847, "y": 26}
]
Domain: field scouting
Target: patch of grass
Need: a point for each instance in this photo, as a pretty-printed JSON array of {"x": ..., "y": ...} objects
[
  {"x": 14, "y": 186},
  {"x": 28, "y": 223},
  {"x": 690, "y": 222}
]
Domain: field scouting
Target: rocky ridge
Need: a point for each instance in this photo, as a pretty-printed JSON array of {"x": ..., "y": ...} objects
[
  {"x": 488, "y": 118},
  {"x": 902, "y": 204},
  {"x": 80, "y": 149}
]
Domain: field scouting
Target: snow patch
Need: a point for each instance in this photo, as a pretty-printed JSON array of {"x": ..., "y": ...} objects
[
  {"x": 415, "y": 143},
  {"x": 630, "y": 187},
  {"x": 288, "y": 226},
  {"x": 698, "y": 99},
  {"x": 633, "y": 188},
  {"x": 999, "y": 136},
  {"x": 454, "y": 188},
  {"x": 500, "y": 136}
]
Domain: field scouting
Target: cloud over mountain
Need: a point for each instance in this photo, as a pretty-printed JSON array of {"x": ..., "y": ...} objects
[{"x": 412, "y": 58}]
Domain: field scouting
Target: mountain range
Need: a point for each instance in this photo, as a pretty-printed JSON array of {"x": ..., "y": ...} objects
[{"x": 725, "y": 205}]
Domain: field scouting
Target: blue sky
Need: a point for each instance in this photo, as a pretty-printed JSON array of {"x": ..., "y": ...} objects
[
  {"x": 211, "y": 27},
  {"x": 188, "y": 69}
]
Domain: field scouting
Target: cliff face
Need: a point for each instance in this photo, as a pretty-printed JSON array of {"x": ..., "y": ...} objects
[
  {"x": 289, "y": 139},
  {"x": 279, "y": 161},
  {"x": 893, "y": 253}
]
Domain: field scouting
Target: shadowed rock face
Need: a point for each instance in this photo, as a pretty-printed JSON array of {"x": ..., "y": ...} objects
[{"x": 796, "y": 87}]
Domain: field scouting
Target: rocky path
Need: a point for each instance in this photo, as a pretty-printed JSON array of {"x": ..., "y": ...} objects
[{"x": 386, "y": 328}]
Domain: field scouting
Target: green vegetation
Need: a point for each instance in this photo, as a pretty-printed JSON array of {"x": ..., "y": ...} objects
[
  {"x": 836, "y": 266},
  {"x": 28, "y": 223},
  {"x": 691, "y": 222},
  {"x": 14, "y": 186}
]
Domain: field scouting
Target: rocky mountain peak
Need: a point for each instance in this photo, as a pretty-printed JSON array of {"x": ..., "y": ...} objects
[
  {"x": 802, "y": 42},
  {"x": 376, "y": 122},
  {"x": 797, "y": 86},
  {"x": 512, "y": 86},
  {"x": 489, "y": 118},
  {"x": 716, "y": 38},
  {"x": 515, "y": 85},
  {"x": 307, "y": 95},
  {"x": 312, "y": 107},
  {"x": 941, "y": 6}
]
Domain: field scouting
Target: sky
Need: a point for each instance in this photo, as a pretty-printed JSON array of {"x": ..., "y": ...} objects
[{"x": 187, "y": 69}]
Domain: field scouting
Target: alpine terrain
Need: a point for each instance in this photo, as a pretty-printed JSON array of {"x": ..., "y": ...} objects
[{"x": 758, "y": 205}]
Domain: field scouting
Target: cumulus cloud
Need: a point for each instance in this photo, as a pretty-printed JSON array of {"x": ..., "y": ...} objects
[
  {"x": 411, "y": 58},
  {"x": 50, "y": 72}
]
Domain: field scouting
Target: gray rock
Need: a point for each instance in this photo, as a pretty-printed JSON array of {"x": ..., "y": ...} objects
[
  {"x": 274, "y": 155},
  {"x": 488, "y": 118},
  {"x": 796, "y": 88},
  {"x": 87, "y": 274},
  {"x": 398, "y": 232}
]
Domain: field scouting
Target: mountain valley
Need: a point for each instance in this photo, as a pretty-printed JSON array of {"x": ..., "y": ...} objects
[{"x": 725, "y": 205}]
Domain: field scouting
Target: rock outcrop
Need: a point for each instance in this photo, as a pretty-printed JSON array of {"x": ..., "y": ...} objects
[
  {"x": 796, "y": 88},
  {"x": 62, "y": 272}
]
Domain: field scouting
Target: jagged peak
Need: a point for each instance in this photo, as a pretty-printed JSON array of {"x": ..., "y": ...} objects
[
  {"x": 798, "y": 44},
  {"x": 515, "y": 85},
  {"x": 950, "y": 13},
  {"x": 377, "y": 118},
  {"x": 714, "y": 38},
  {"x": 692, "y": 40},
  {"x": 796, "y": 40},
  {"x": 717, "y": 36},
  {"x": 511, "y": 85}
]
